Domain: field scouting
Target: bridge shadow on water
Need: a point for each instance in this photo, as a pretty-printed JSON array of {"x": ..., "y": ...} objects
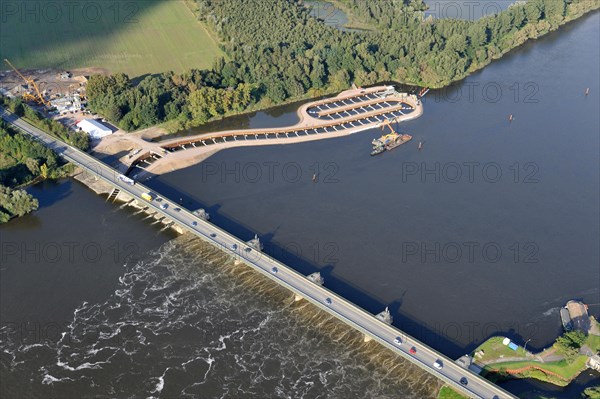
[{"x": 444, "y": 338}]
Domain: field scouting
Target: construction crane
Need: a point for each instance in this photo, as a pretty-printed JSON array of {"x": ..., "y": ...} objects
[
  {"x": 38, "y": 97},
  {"x": 385, "y": 124}
]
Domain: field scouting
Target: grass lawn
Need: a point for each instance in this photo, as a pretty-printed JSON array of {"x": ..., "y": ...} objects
[
  {"x": 132, "y": 36},
  {"x": 562, "y": 368},
  {"x": 593, "y": 341},
  {"x": 449, "y": 393},
  {"x": 494, "y": 350}
]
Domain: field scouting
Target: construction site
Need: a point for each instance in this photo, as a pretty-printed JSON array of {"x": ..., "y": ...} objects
[
  {"x": 352, "y": 111},
  {"x": 56, "y": 94}
]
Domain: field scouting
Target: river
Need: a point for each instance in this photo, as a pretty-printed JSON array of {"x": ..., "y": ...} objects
[{"x": 489, "y": 229}]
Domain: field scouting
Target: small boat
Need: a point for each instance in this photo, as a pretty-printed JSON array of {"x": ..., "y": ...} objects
[
  {"x": 377, "y": 150},
  {"x": 566, "y": 319}
]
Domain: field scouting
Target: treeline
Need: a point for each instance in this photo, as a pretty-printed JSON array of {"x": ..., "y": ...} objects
[
  {"x": 277, "y": 51},
  {"x": 14, "y": 203},
  {"x": 23, "y": 159},
  {"x": 437, "y": 52},
  {"x": 77, "y": 139},
  {"x": 194, "y": 96}
]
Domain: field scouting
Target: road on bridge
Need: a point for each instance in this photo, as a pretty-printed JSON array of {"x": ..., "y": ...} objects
[{"x": 424, "y": 357}]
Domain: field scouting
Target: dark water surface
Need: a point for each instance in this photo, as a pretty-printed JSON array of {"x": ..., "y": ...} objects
[
  {"x": 164, "y": 319},
  {"x": 147, "y": 315},
  {"x": 512, "y": 207},
  {"x": 488, "y": 230}
]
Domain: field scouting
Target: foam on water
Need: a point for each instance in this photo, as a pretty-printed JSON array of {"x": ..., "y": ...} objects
[{"x": 186, "y": 322}]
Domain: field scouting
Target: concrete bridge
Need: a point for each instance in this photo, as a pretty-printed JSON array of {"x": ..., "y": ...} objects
[{"x": 311, "y": 288}]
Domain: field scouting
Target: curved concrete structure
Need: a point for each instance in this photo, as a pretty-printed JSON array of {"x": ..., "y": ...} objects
[{"x": 350, "y": 112}]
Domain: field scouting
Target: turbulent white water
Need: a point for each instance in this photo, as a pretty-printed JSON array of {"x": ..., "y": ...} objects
[{"x": 186, "y": 322}]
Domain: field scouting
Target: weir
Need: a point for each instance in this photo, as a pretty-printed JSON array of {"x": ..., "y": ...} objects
[{"x": 377, "y": 327}]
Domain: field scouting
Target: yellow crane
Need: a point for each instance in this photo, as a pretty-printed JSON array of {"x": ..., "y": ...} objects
[
  {"x": 385, "y": 124},
  {"x": 38, "y": 97}
]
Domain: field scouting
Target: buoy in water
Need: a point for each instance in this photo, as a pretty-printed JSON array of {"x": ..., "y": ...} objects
[
  {"x": 314, "y": 178},
  {"x": 420, "y": 145},
  {"x": 510, "y": 118},
  {"x": 587, "y": 91}
]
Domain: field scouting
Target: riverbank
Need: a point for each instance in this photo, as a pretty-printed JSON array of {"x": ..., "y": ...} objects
[
  {"x": 534, "y": 33},
  {"x": 541, "y": 29},
  {"x": 499, "y": 361}
]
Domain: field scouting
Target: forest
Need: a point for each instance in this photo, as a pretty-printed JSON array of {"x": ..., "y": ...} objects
[
  {"x": 276, "y": 52},
  {"x": 14, "y": 203},
  {"x": 23, "y": 161}
]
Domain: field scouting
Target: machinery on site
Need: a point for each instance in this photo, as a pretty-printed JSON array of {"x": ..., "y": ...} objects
[
  {"x": 37, "y": 96},
  {"x": 388, "y": 141}
]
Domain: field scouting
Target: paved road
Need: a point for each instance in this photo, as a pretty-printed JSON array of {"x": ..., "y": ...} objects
[{"x": 451, "y": 373}]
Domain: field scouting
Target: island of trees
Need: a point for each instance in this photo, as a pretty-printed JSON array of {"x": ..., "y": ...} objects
[
  {"x": 277, "y": 52},
  {"x": 24, "y": 161}
]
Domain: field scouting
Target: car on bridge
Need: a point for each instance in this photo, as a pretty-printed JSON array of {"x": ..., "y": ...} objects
[
  {"x": 213, "y": 235},
  {"x": 464, "y": 381},
  {"x": 164, "y": 206},
  {"x": 398, "y": 341},
  {"x": 234, "y": 246},
  {"x": 194, "y": 223},
  {"x": 413, "y": 350},
  {"x": 274, "y": 270},
  {"x": 328, "y": 301},
  {"x": 438, "y": 364}
]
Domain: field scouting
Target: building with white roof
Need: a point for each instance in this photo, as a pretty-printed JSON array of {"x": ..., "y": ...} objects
[{"x": 95, "y": 129}]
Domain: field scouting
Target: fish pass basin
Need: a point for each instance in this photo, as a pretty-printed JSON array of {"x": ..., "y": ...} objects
[{"x": 352, "y": 111}]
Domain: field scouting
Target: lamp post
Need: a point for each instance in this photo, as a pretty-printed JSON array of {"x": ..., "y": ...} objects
[{"x": 525, "y": 346}]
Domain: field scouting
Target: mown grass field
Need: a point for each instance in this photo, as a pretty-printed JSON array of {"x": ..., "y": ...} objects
[
  {"x": 567, "y": 371},
  {"x": 132, "y": 36},
  {"x": 494, "y": 349},
  {"x": 449, "y": 393}
]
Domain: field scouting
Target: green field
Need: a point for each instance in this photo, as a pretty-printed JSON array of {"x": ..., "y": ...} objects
[
  {"x": 568, "y": 371},
  {"x": 132, "y": 36},
  {"x": 449, "y": 393},
  {"x": 495, "y": 350}
]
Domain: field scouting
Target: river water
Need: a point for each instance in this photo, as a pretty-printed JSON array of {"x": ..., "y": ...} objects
[{"x": 489, "y": 229}]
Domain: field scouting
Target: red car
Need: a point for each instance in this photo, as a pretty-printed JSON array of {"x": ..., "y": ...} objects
[{"x": 413, "y": 350}]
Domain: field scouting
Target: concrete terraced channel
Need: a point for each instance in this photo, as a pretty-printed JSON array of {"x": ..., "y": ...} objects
[{"x": 352, "y": 111}]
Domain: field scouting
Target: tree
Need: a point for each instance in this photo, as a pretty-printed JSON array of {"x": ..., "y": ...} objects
[
  {"x": 33, "y": 166},
  {"x": 14, "y": 203},
  {"x": 592, "y": 392},
  {"x": 317, "y": 76},
  {"x": 341, "y": 80},
  {"x": 44, "y": 171},
  {"x": 276, "y": 92},
  {"x": 569, "y": 343}
]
